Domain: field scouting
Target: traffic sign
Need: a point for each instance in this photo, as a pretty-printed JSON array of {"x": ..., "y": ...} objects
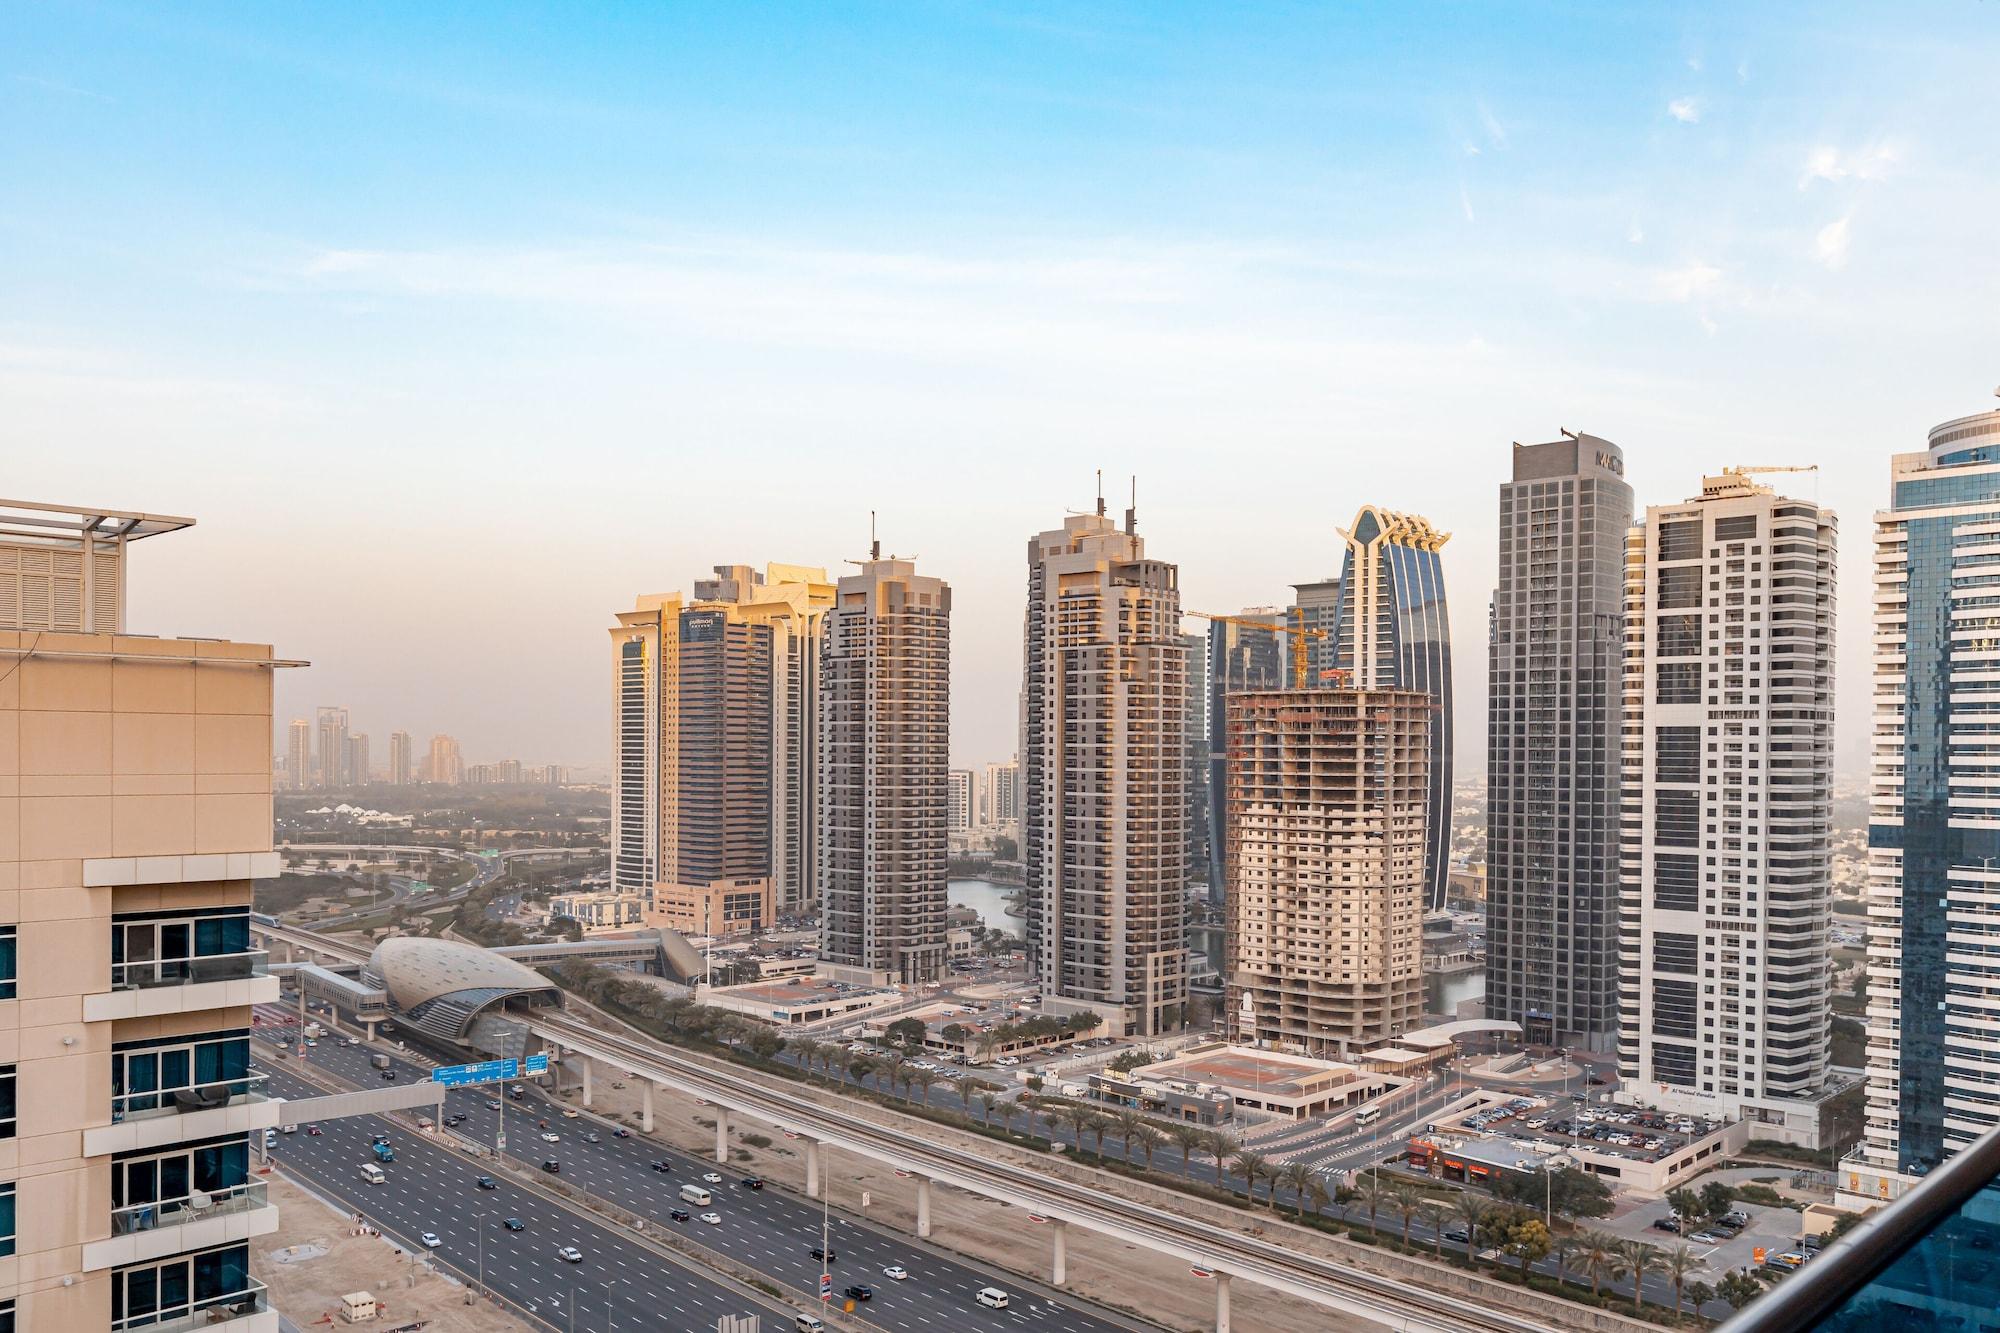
[
  {"x": 537, "y": 1064},
  {"x": 487, "y": 1071},
  {"x": 826, "y": 1286}
]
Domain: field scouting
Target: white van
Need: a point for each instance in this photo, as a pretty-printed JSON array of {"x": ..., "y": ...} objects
[
  {"x": 992, "y": 1297},
  {"x": 373, "y": 1175},
  {"x": 695, "y": 1194},
  {"x": 806, "y": 1323}
]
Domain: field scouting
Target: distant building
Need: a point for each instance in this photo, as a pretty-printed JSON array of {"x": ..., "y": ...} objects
[
  {"x": 1315, "y": 607},
  {"x": 298, "y": 755},
  {"x": 885, "y": 730},
  {"x": 1104, "y": 776},
  {"x": 1390, "y": 630},
  {"x": 446, "y": 766},
  {"x": 359, "y": 770},
  {"x": 600, "y": 911},
  {"x": 1328, "y": 803},
  {"x": 1194, "y": 744},
  {"x": 333, "y": 756},
  {"x": 1000, "y": 796},
  {"x": 1240, "y": 657},
  {"x": 401, "y": 772}
]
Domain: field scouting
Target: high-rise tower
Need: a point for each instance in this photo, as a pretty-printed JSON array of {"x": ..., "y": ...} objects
[
  {"x": 1240, "y": 657},
  {"x": 1104, "y": 776},
  {"x": 885, "y": 733},
  {"x": 1554, "y": 701},
  {"x": 401, "y": 773},
  {"x": 298, "y": 754},
  {"x": 1933, "y": 1016},
  {"x": 333, "y": 756},
  {"x": 1725, "y": 887}
]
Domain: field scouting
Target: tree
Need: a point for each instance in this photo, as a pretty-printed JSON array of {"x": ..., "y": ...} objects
[
  {"x": 1128, "y": 1122},
  {"x": 1598, "y": 1253},
  {"x": 1715, "y": 1199},
  {"x": 988, "y": 1043},
  {"x": 1738, "y": 1288},
  {"x": 1298, "y": 1178},
  {"x": 1095, "y": 1123},
  {"x": 954, "y": 1032},
  {"x": 1472, "y": 1211},
  {"x": 1433, "y": 1211},
  {"x": 1843, "y": 1224},
  {"x": 1688, "y": 1204},
  {"x": 906, "y": 1032},
  {"x": 1218, "y": 1145},
  {"x": 985, "y": 1100},
  {"x": 1528, "y": 1241},
  {"x": 1640, "y": 1262},
  {"x": 1677, "y": 1264},
  {"x": 1373, "y": 1191},
  {"x": 859, "y": 1066},
  {"x": 1561, "y": 1248},
  {"x": 1191, "y": 1139},
  {"x": 1253, "y": 1167},
  {"x": 1579, "y": 1194},
  {"x": 1148, "y": 1139},
  {"x": 922, "y": 1080},
  {"x": 1700, "y": 1294},
  {"x": 1404, "y": 1198}
]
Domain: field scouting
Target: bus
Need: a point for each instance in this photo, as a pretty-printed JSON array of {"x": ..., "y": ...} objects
[
  {"x": 1367, "y": 1116},
  {"x": 695, "y": 1195}
]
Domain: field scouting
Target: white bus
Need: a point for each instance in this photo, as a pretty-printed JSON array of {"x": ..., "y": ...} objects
[
  {"x": 1366, "y": 1116},
  {"x": 695, "y": 1194}
]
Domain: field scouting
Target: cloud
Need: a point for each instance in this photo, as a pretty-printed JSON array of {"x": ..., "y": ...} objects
[
  {"x": 1687, "y": 110},
  {"x": 1465, "y": 203},
  {"x": 1695, "y": 280},
  {"x": 1636, "y": 233},
  {"x": 341, "y": 261},
  {"x": 1495, "y": 131},
  {"x": 1830, "y": 246},
  {"x": 1871, "y": 162}
]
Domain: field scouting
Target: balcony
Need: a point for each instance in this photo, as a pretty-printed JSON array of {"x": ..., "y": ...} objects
[
  {"x": 245, "y": 1311},
  {"x": 202, "y": 1220},
  {"x": 163, "y": 1117},
  {"x": 158, "y": 986}
]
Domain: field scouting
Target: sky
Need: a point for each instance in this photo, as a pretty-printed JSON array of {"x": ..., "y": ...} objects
[{"x": 458, "y": 326}]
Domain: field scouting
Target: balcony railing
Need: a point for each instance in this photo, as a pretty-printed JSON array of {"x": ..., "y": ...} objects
[
  {"x": 193, "y": 1208},
  {"x": 198, "y": 1097},
  {"x": 253, "y": 1299},
  {"x": 153, "y": 972}
]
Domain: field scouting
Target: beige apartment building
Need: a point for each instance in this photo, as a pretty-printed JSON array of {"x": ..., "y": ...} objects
[
  {"x": 1104, "y": 776},
  {"x": 1326, "y": 806},
  {"x": 885, "y": 735},
  {"x": 135, "y": 814}
]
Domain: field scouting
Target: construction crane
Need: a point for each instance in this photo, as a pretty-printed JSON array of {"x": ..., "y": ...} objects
[
  {"x": 1300, "y": 635},
  {"x": 1748, "y": 471}
]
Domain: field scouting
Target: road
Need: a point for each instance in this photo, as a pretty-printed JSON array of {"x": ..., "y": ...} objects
[{"x": 770, "y": 1230}]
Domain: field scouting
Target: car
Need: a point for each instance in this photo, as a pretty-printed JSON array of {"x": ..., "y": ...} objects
[
  {"x": 621, "y": 1133},
  {"x": 857, "y": 1292},
  {"x": 551, "y": 1137},
  {"x": 1666, "y": 1224},
  {"x": 388, "y": 1076},
  {"x": 713, "y": 1219},
  {"x": 378, "y": 1139},
  {"x": 486, "y": 1182},
  {"x": 569, "y": 1254},
  {"x": 492, "y": 1103},
  {"x": 823, "y": 1255},
  {"x": 571, "y": 1113},
  {"x": 310, "y": 1041},
  {"x": 711, "y": 1177},
  {"x": 430, "y": 1240},
  {"x": 752, "y": 1182},
  {"x": 663, "y": 1166},
  {"x": 1708, "y": 1238},
  {"x": 896, "y": 1273},
  {"x": 679, "y": 1214},
  {"x": 314, "y": 1131},
  {"x": 515, "y": 1224},
  {"x": 552, "y": 1166},
  {"x": 592, "y": 1136},
  {"x": 1458, "y": 1234}
]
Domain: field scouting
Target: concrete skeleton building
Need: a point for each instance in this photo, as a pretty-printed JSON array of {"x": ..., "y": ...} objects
[
  {"x": 1389, "y": 628},
  {"x": 1104, "y": 776},
  {"x": 134, "y": 816},
  {"x": 1240, "y": 657},
  {"x": 1725, "y": 884},
  {"x": 885, "y": 733},
  {"x": 1933, "y": 1018},
  {"x": 1554, "y": 710},
  {"x": 1328, "y": 798}
]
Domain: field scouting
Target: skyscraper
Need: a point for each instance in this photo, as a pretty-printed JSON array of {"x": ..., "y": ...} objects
[
  {"x": 1328, "y": 796},
  {"x": 1554, "y": 706},
  {"x": 298, "y": 754},
  {"x": 1000, "y": 795},
  {"x": 1934, "y": 819},
  {"x": 400, "y": 774},
  {"x": 359, "y": 770},
  {"x": 1104, "y": 776},
  {"x": 1240, "y": 657},
  {"x": 139, "y": 782},
  {"x": 1390, "y": 630},
  {"x": 1725, "y": 886},
  {"x": 1194, "y": 740},
  {"x": 333, "y": 757},
  {"x": 446, "y": 764},
  {"x": 1314, "y": 608},
  {"x": 958, "y": 801},
  {"x": 885, "y": 733}
]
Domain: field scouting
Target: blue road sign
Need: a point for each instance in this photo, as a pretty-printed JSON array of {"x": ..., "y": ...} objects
[
  {"x": 537, "y": 1064},
  {"x": 487, "y": 1071}
]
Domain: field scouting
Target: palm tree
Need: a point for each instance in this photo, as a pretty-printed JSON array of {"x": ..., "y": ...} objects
[
  {"x": 1031, "y": 1107},
  {"x": 1403, "y": 1197},
  {"x": 1191, "y": 1139},
  {"x": 985, "y": 1100},
  {"x": 1076, "y": 1117},
  {"x": 1373, "y": 1190},
  {"x": 989, "y": 1041},
  {"x": 859, "y": 1067},
  {"x": 1147, "y": 1138},
  {"x": 1127, "y": 1122},
  {"x": 1218, "y": 1145},
  {"x": 1561, "y": 1248},
  {"x": 1598, "y": 1253},
  {"x": 1640, "y": 1261},
  {"x": 898, "y": 1065},
  {"x": 1253, "y": 1168},
  {"x": 1677, "y": 1264},
  {"x": 1298, "y": 1178},
  {"x": 1472, "y": 1211},
  {"x": 1095, "y": 1123},
  {"x": 1433, "y": 1212}
]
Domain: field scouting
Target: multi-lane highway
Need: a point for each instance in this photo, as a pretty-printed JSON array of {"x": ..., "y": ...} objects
[{"x": 768, "y": 1230}]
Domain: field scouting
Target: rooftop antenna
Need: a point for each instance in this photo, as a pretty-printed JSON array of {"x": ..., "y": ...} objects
[
  {"x": 1100, "y": 492},
  {"x": 1132, "y": 514},
  {"x": 874, "y": 546},
  {"x": 1567, "y": 431}
]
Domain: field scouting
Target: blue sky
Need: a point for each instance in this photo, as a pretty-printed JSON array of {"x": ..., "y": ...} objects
[{"x": 458, "y": 326}]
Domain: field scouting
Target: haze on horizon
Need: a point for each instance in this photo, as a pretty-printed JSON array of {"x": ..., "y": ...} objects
[{"x": 457, "y": 330}]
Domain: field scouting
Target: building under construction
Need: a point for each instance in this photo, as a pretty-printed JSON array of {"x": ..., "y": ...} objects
[{"x": 1327, "y": 810}]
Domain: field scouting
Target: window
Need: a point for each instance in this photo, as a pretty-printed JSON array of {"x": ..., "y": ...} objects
[
  {"x": 1673, "y": 1064},
  {"x": 1740, "y": 528},
  {"x": 1679, "y": 636},
  {"x": 7, "y": 1219},
  {"x": 146, "y": 1074},
  {"x": 1680, "y": 586},
  {"x": 1679, "y": 683},
  {"x": 6, "y": 962},
  {"x": 1677, "y": 754},
  {"x": 1673, "y": 952},
  {"x": 181, "y": 1289},
  {"x": 1674, "y": 1008},
  {"x": 1674, "y": 884},
  {"x": 1676, "y": 817},
  {"x": 1681, "y": 540},
  {"x": 6, "y": 1101}
]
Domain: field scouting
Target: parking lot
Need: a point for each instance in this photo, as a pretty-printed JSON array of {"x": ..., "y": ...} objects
[{"x": 1774, "y": 1230}]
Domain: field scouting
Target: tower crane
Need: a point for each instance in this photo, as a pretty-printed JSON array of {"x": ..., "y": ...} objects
[
  {"x": 1752, "y": 470},
  {"x": 1299, "y": 633}
]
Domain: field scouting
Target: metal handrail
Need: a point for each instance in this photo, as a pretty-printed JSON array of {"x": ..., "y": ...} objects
[
  {"x": 146, "y": 974},
  {"x": 1843, "y": 1268},
  {"x": 169, "y": 1212},
  {"x": 253, "y": 1299},
  {"x": 243, "y": 1087}
]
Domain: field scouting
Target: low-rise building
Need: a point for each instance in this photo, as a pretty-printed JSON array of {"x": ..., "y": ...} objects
[
  {"x": 1208, "y": 1084},
  {"x": 599, "y": 911},
  {"x": 796, "y": 1001}
]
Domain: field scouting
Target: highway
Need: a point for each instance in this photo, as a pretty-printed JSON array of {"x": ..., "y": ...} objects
[{"x": 770, "y": 1230}]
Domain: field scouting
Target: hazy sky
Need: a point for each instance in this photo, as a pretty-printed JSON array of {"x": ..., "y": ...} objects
[{"x": 457, "y": 326}]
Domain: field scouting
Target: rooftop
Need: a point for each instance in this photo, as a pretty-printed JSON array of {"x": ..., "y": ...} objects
[
  {"x": 74, "y": 525},
  {"x": 1245, "y": 1067}
]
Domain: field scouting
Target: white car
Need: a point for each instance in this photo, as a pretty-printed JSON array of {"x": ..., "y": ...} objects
[
  {"x": 713, "y": 1219},
  {"x": 711, "y": 1177},
  {"x": 896, "y": 1272},
  {"x": 551, "y": 1137},
  {"x": 430, "y": 1240},
  {"x": 571, "y": 1113},
  {"x": 569, "y": 1254}
]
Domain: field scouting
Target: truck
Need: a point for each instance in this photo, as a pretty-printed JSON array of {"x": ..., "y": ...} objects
[
  {"x": 315, "y": 1031},
  {"x": 383, "y": 1152},
  {"x": 379, "y": 1061}
]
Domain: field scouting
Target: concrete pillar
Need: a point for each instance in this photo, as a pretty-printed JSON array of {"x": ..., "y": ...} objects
[
  {"x": 812, "y": 1168},
  {"x": 721, "y": 1135},
  {"x": 371, "y": 1027},
  {"x": 646, "y": 1107},
  {"x": 586, "y": 1062},
  {"x": 1061, "y": 1264},
  {"x": 923, "y": 1207},
  {"x": 1222, "y": 1303}
]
